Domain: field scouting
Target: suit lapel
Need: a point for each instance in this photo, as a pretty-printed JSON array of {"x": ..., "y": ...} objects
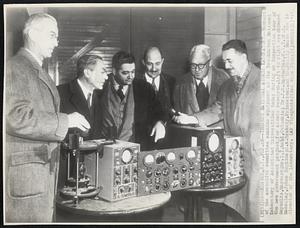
[
  {"x": 45, "y": 77},
  {"x": 190, "y": 91},
  {"x": 78, "y": 99}
]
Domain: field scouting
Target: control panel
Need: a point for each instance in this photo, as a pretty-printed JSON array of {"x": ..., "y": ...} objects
[
  {"x": 234, "y": 160},
  {"x": 118, "y": 171},
  {"x": 212, "y": 159},
  {"x": 168, "y": 170}
]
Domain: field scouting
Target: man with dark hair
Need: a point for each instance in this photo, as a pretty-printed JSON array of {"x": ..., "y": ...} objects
[
  {"x": 129, "y": 106},
  {"x": 81, "y": 95},
  {"x": 238, "y": 104},
  {"x": 34, "y": 126}
]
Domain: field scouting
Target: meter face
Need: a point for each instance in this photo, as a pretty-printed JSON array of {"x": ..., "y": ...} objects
[
  {"x": 213, "y": 142},
  {"x": 148, "y": 160},
  {"x": 126, "y": 156}
]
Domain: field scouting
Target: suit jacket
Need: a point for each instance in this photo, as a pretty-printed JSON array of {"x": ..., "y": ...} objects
[
  {"x": 73, "y": 100},
  {"x": 241, "y": 118},
  {"x": 165, "y": 91},
  {"x": 34, "y": 126},
  {"x": 185, "y": 99},
  {"x": 147, "y": 111}
]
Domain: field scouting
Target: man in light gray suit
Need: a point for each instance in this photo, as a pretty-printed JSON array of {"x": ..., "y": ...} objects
[
  {"x": 198, "y": 89},
  {"x": 34, "y": 126}
]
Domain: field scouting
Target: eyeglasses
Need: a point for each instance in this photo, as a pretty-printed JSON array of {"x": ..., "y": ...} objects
[{"x": 195, "y": 66}]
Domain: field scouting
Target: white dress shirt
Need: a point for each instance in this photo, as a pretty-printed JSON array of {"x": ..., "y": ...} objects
[
  {"x": 86, "y": 92},
  {"x": 156, "y": 80}
]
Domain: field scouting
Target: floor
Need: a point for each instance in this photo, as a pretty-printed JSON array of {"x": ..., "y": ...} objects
[{"x": 171, "y": 212}]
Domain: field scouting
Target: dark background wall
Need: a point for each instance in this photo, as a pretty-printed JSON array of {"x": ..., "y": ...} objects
[{"x": 106, "y": 30}]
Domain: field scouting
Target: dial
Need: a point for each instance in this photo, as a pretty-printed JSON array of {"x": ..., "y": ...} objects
[
  {"x": 190, "y": 155},
  {"x": 126, "y": 156},
  {"x": 213, "y": 142},
  {"x": 171, "y": 157},
  {"x": 149, "y": 159},
  {"x": 234, "y": 144}
]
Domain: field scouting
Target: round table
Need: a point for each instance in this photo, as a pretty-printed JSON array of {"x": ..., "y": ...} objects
[
  {"x": 195, "y": 197},
  {"x": 100, "y": 207}
]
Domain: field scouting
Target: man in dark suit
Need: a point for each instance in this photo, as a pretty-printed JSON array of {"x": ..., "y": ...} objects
[
  {"x": 80, "y": 95},
  {"x": 129, "y": 105},
  {"x": 162, "y": 83},
  {"x": 34, "y": 126},
  {"x": 198, "y": 89}
]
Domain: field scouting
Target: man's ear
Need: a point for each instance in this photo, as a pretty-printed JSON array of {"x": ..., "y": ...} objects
[
  {"x": 143, "y": 62},
  {"x": 33, "y": 34},
  {"x": 86, "y": 72},
  {"x": 162, "y": 61}
]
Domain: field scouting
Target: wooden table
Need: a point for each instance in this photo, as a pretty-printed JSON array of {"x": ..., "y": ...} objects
[
  {"x": 125, "y": 207},
  {"x": 195, "y": 197}
]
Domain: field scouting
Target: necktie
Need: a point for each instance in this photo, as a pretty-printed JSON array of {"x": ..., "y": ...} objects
[
  {"x": 202, "y": 96},
  {"x": 120, "y": 92},
  {"x": 89, "y": 100},
  {"x": 153, "y": 85},
  {"x": 239, "y": 83}
]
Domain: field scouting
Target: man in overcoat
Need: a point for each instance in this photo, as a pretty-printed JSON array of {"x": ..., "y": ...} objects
[
  {"x": 238, "y": 104},
  {"x": 34, "y": 126}
]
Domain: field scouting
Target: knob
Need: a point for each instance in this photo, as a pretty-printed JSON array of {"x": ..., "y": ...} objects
[
  {"x": 183, "y": 183},
  {"x": 117, "y": 181},
  {"x": 165, "y": 171},
  {"x": 157, "y": 172},
  {"x": 121, "y": 189},
  {"x": 166, "y": 185},
  {"x": 126, "y": 180},
  {"x": 118, "y": 172},
  {"x": 175, "y": 170},
  {"x": 135, "y": 178},
  {"x": 149, "y": 174},
  {"x": 192, "y": 168},
  {"x": 157, "y": 187},
  {"x": 216, "y": 156},
  {"x": 183, "y": 169},
  {"x": 191, "y": 182},
  {"x": 135, "y": 170},
  {"x": 207, "y": 176},
  {"x": 126, "y": 171}
]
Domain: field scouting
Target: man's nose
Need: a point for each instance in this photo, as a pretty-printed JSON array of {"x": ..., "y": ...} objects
[
  {"x": 227, "y": 65},
  {"x": 131, "y": 75}
]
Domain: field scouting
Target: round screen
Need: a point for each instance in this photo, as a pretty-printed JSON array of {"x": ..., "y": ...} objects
[
  {"x": 171, "y": 157},
  {"x": 234, "y": 144},
  {"x": 149, "y": 159},
  {"x": 191, "y": 154},
  {"x": 126, "y": 156},
  {"x": 213, "y": 142}
]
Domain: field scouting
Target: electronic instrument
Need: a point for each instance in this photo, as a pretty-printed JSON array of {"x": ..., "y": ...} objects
[
  {"x": 234, "y": 160},
  {"x": 118, "y": 171},
  {"x": 168, "y": 170}
]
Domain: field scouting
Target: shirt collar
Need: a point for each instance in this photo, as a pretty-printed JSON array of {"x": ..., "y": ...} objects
[
  {"x": 150, "y": 79},
  {"x": 116, "y": 86},
  {"x": 34, "y": 56},
  {"x": 84, "y": 89}
]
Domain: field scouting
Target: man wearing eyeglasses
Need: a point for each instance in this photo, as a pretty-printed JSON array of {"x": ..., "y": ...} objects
[{"x": 198, "y": 89}]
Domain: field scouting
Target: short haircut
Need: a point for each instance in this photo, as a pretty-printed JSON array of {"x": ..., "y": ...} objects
[
  {"x": 237, "y": 45},
  {"x": 86, "y": 62},
  {"x": 34, "y": 20},
  {"x": 120, "y": 58},
  {"x": 202, "y": 49},
  {"x": 148, "y": 49}
]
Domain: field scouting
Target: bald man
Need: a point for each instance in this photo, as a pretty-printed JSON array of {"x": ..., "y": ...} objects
[
  {"x": 198, "y": 89},
  {"x": 162, "y": 83}
]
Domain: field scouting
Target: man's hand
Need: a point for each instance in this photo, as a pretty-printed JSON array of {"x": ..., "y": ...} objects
[
  {"x": 159, "y": 131},
  {"x": 78, "y": 120},
  {"x": 183, "y": 118}
]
